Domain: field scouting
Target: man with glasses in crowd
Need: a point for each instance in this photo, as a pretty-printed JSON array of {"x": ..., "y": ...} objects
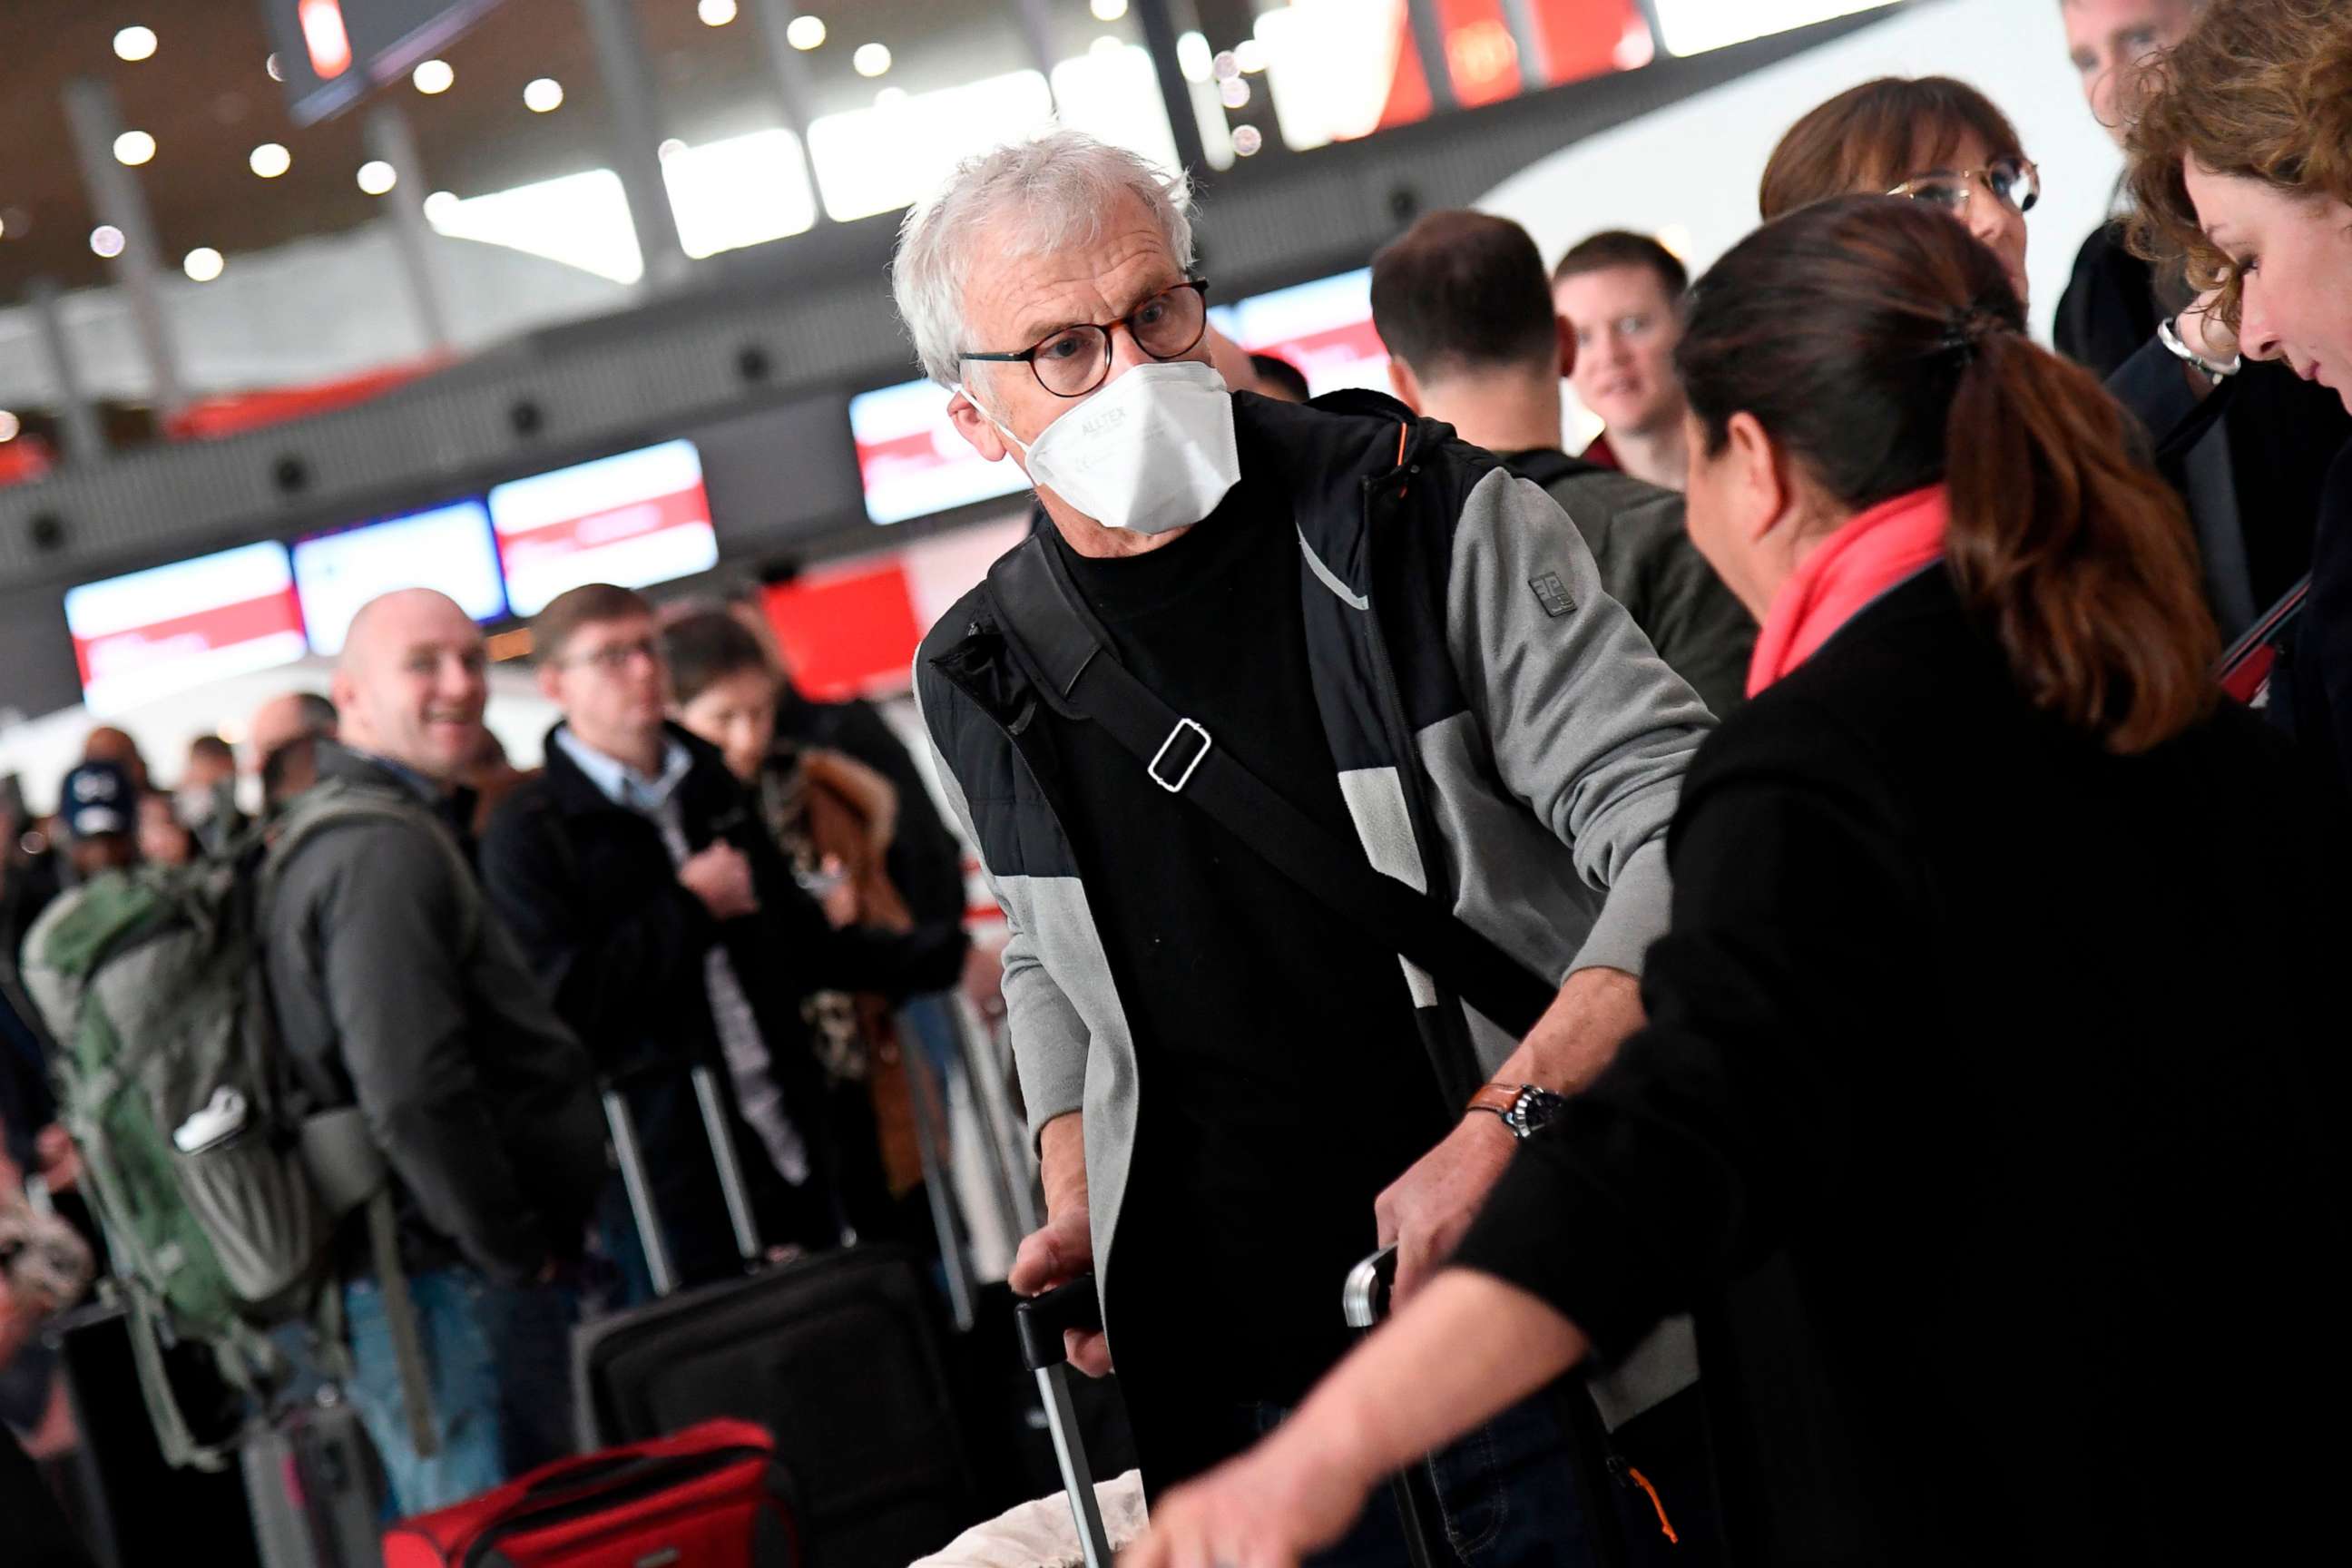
[
  {"x": 671, "y": 934},
  {"x": 1236, "y": 1091}
]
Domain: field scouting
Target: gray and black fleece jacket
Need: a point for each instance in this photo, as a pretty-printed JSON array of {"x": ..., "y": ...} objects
[{"x": 1506, "y": 739}]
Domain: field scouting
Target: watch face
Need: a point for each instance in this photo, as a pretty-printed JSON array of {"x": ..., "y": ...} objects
[{"x": 1535, "y": 1110}]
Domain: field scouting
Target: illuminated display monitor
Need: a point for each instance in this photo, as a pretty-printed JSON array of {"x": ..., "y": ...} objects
[
  {"x": 448, "y": 547},
  {"x": 1325, "y": 328},
  {"x": 168, "y": 629},
  {"x": 911, "y": 460},
  {"x": 635, "y": 518}
]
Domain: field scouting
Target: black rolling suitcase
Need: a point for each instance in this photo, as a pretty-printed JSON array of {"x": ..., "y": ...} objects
[{"x": 837, "y": 1355}]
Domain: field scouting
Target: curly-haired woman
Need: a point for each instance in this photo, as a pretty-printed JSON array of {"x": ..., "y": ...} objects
[{"x": 2241, "y": 155}]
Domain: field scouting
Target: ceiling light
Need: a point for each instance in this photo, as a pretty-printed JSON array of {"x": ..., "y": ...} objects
[
  {"x": 1192, "y": 56},
  {"x": 1105, "y": 45},
  {"x": 441, "y": 206},
  {"x": 1234, "y": 92},
  {"x": 9, "y": 426},
  {"x": 669, "y": 149},
  {"x": 202, "y": 264},
  {"x": 543, "y": 95},
  {"x": 106, "y": 240},
  {"x": 715, "y": 12},
  {"x": 888, "y": 96},
  {"x": 1247, "y": 140},
  {"x": 270, "y": 65},
  {"x": 804, "y": 32},
  {"x": 1250, "y": 55},
  {"x": 270, "y": 160},
  {"x": 376, "y": 176},
  {"x": 871, "y": 60},
  {"x": 1108, "y": 10},
  {"x": 433, "y": 77},
  {"x": 134, "y": 44},
  {"x": 134, "y": 148}
]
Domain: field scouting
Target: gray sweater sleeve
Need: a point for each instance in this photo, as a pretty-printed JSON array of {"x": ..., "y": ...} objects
[{"x": 1586, "y": 723}]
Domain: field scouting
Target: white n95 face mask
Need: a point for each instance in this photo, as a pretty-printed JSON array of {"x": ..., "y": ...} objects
[{"x": 1153, "y": 451}]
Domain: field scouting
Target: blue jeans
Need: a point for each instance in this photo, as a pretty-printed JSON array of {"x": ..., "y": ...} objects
[
  {"x": 462, "y": 1373},
  {"x": 1505, "y": 1495},
  {"x": 530, "y": 1333}
]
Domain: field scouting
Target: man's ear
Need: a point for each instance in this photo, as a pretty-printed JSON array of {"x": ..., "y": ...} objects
[
  {"x": 1403, "y": 382},
  {"x": 1567, "y": 331},
  {"x": 549, "y": 681},
  {"x": 976, "y": 428}
]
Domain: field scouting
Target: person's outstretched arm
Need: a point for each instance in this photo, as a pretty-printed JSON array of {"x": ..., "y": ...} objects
[{"x": 1301, "y": 1489}]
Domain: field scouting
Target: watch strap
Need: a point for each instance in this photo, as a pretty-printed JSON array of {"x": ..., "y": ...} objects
[{"x": 1501, "y": 1098}]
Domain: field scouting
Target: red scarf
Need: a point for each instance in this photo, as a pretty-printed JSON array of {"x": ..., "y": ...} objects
[{"x": 1872, "y": 553}]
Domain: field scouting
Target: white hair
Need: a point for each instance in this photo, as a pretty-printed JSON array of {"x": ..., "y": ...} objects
[{"x": 1056, "y": 190}]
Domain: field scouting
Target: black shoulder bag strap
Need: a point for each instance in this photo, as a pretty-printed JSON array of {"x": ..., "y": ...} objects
[{"x": 1053, "y": 634}]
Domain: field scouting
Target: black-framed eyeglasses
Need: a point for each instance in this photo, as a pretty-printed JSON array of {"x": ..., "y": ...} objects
[
  {"x": 614, "y": 657},
  {"x": 2013, "y": 181},
  {"x": 1076, "y": 360}
]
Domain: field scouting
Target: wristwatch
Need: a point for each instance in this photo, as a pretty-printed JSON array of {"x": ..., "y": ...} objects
[
  {"x": 2169, "y": 336},
  {"x": 1523, "y": 1107}
]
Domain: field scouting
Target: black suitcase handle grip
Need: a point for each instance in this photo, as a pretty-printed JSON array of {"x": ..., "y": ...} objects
[{"x": 1042, "y": 1319}]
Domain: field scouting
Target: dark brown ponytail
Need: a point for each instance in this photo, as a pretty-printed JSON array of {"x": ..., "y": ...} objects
[
  {"x": 1882, "y": 346},
  {"x": 2077, "y": 556}
]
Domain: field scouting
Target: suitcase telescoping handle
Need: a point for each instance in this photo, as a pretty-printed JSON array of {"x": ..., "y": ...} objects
[
  {"x": 1041, "y": 1320},
  {"x": 1364, "y": 1303},
  {"x": 638, "y": 1182}
]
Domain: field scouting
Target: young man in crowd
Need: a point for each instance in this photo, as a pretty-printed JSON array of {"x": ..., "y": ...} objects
[
  {"x": 1621, "y": 295},
  {"x": 1460, "y": 300}
]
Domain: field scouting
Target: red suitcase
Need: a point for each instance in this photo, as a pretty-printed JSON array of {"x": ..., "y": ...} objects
[{"x": 711, "y": 1496}]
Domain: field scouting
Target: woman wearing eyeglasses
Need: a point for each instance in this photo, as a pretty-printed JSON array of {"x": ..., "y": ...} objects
[
  {"x": 1943, "y": 143},
  {"x": 1938, "y": 141}
]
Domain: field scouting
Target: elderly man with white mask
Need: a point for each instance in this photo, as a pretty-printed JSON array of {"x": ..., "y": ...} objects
[{"x": 1401, "y": 658}]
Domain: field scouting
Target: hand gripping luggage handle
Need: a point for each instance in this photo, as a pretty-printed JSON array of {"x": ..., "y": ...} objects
[
  {"x": 1041, "y": 1320},
  {"x": 1364, "y": 1301},
  {"x": 1413, "y": 1489}
]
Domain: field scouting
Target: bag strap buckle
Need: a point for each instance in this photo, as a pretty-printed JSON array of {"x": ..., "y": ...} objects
[{"x": 1185, "y": 778}]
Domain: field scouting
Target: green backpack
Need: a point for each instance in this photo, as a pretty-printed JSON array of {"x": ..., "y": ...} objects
[{"x": 220, "y": 1204}]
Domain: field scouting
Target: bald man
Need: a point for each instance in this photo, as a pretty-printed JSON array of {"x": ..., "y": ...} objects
[
  {"x": 283, "y": 738},
  {"x": 396, "y": 990}
]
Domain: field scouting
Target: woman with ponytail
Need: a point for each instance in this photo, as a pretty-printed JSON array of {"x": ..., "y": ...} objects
[{"x": 1979, "y": 1118}]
